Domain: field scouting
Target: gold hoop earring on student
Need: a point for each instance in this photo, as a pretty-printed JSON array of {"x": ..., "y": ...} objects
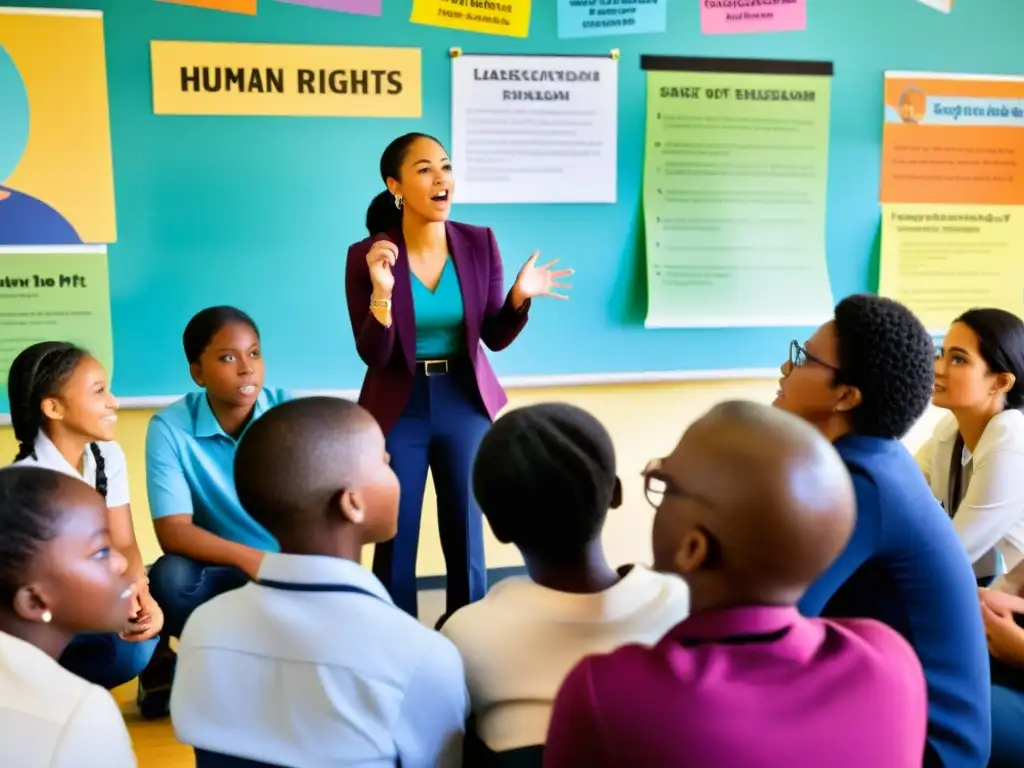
[
  {"x": 47, "y": 617},
  {"x": 398, "y": 202}
]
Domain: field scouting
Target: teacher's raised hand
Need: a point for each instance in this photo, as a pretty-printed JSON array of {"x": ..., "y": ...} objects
[
  {"x": 533, "y": 281},
  {"x": 379, "y": 260}
]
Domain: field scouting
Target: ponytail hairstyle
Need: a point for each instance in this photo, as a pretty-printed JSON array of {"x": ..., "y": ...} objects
[
  {"x": 39, "y": 372},
  {"x": 1001, "y": 345},
  {"x": 384, "y": 213}
]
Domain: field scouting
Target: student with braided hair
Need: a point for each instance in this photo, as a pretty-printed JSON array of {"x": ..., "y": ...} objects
[{"x": 63, "y": 415}]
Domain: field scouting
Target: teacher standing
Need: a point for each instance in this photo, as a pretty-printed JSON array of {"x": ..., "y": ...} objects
[{"x": 423, "y": 293}]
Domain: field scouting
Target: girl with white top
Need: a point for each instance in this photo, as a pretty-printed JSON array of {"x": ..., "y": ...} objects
[
  {"x": 59, "y": 577},
  {"x": 63, "y": 415},
  {"x": 974, "y": 461}
]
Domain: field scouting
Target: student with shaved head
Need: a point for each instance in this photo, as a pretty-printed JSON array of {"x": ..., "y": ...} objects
[
  {"x": 752, "y": 506},
  {"x": 312, "y": 663}
]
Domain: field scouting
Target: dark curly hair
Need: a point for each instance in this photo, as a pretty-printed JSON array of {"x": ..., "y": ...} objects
[
  {"x": 28, "y": 519},
  {"x": 886, "y": 352},
  {"x": 39, "y": 372},
  {"x": 544, "y": 477},
  {"x": 1001, "y": 344}
]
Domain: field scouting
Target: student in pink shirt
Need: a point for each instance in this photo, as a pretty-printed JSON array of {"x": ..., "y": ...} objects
[{"x": 752, "y": 506}]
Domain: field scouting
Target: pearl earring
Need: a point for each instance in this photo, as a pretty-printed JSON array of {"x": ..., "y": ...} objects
[
  {"x": 47, "y": 617},
  {"x": 398, "y": 202}
]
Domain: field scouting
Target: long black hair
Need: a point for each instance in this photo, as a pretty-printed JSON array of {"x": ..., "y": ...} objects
[
  {"x": 39, "y": 372},
  {"x": 204, "y": 326},
  {"x": 383, "y": 215},
  {"x": 1001, "y": 345}
]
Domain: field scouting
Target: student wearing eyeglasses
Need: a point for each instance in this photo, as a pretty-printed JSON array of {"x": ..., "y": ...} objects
[{"x": 863, "y": 379}]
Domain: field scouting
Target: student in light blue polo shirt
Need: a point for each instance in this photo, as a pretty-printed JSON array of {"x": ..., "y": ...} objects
[{"x": 210, "y": 543}]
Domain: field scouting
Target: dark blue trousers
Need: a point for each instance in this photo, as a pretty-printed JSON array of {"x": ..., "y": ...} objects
[{"x": 440, "y": 428}]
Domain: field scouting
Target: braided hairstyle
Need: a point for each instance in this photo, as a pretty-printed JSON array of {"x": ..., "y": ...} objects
[
  {"x": 39, "y": 372},
  {"x": 28, "y": 519}
]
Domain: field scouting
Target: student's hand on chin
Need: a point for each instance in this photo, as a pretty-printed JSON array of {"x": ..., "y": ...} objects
[{"x": 147, "y": 621}]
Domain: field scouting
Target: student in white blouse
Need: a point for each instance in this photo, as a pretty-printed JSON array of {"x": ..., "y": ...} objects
[
  {"x": 59, "y": 577},
  {"x": 974, "y": 461},
  {"x": 63, "y": 415}
]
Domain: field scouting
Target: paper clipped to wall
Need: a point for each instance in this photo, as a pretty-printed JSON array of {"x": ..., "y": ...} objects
[
  {"x": 246, "y": 7},
  {"x": 952, "y": 194},
  {"x": 509, "y": 18},
  {"x": 56, "y": 174},
  {"x": 535, "y": 129},
  {"x": 946, "y": 6},
  {"x": 361, "y": 7},
  {"x": 735, "y": 178},
  {"x": 199, "y": 78}
]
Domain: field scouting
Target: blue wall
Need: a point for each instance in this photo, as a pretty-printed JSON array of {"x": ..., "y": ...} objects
[{"x": 259, "y": 212}]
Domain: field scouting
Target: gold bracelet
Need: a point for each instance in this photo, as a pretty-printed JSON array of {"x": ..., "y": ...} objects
[{"x": 380, "y": 303}]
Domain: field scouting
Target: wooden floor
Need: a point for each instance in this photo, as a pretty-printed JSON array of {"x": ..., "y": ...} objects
[{"x": 155, "y": 745}]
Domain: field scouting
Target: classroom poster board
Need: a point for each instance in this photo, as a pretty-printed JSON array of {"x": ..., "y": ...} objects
[
  {"x": 735, "y": 185},
  {"x": 259, "y": 211},
  {"x": 952, "y": 194}
]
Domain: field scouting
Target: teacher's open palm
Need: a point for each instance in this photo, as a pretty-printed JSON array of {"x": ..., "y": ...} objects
[
  {"x": 380, "y": 260},
  {"x": 533, "y": 281}
]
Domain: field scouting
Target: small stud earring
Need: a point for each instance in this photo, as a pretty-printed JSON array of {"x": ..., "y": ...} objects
[
  {"x": 398, "y": 202},
  {"x": 47, "y": 617}
]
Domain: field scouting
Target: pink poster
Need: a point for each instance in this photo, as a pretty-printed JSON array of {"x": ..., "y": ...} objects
[
  {"x": 363, "y": 7},
  {"x": 744, "y": 17}
]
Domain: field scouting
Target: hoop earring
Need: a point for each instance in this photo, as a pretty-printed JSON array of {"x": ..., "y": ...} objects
[{"x": 398, "y": 202}]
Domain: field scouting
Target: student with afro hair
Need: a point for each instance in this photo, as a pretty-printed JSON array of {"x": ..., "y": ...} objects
[
  {"x": 545, "y": 478},
  {"x": 863, "y": 379}
]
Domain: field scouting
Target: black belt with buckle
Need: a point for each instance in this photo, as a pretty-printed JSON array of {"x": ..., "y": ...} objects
[{"x": 432, "y": 367}]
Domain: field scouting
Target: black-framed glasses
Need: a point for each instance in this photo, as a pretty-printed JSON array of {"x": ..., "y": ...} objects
[
  {"x": 799, "y": 357},
  {"x": 656, "y": 488}
]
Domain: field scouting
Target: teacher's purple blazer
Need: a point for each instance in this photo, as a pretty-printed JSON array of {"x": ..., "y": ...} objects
[{"x": 390, "y": 353}]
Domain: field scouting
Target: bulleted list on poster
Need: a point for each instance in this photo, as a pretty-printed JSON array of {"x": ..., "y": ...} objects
[
  {"x": 735, "y": 176},
  {"x": 535, "y": 129}
]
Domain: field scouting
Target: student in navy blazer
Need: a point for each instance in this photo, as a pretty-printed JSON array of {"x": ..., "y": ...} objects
[{"x": 422, "y": 294}]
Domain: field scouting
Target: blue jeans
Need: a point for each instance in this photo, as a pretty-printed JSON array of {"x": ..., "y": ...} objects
[
  {"x": 106, "y": 659},
  {"x": 180, "y": 585},
  {"x": 441, "y": 427},
  {"x": 1007, "y": 731}
]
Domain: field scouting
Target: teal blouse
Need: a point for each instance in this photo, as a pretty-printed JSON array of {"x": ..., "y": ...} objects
[{"x": 440, "y": 316}]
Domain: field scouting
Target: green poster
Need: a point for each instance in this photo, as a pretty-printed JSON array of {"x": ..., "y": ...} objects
[
  {"x": 735, "y": 173},
  {"x": 53, "y": 293}
]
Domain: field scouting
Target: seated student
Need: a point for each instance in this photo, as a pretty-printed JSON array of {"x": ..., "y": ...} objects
[
  {"x": 1004, "y": 629},
  {"x": 211, "y": 544},
  {"x": 313, "y": 664},
  {"x": 752, "y": 506},
  {"x": 60, "y": 577},
  {"x": 863, "y": 379},
  {"x": 545, "y": 478},
  {"x": 63, "y": 415},
  {"x": 975, "y": 459}
]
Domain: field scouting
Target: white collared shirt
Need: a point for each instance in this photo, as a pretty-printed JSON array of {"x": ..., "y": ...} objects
[
  {"x": 50, "y": 718},
  {"x": 318, "y": 678},
  {"x": 991, "y": 511},
  {"x": 520, "y": 641},
  {"x": 115, "y": 466}
]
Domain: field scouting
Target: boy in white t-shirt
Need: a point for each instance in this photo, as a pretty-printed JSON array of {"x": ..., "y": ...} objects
[
  {"x": 63, "y": 414},
  {"x": 545, "y": 479}
]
